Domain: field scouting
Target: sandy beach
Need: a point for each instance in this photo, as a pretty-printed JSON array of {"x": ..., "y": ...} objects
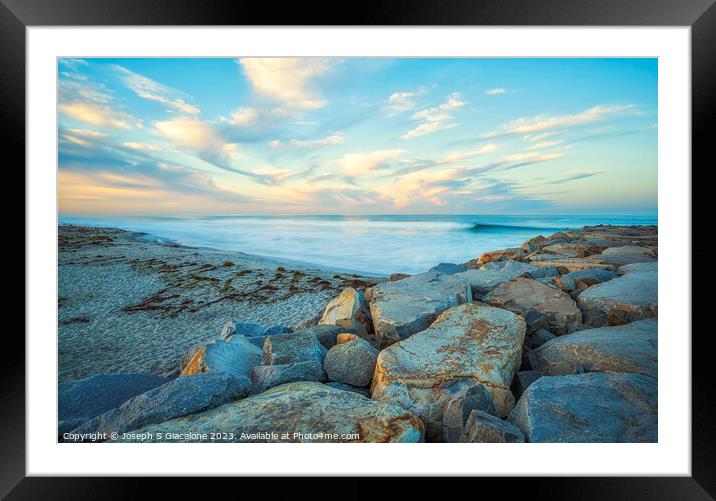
[{"x": 130, "y": 304}]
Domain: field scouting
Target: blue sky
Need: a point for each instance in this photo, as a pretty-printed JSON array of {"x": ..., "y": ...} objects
[{"x": 353, "y": 136}]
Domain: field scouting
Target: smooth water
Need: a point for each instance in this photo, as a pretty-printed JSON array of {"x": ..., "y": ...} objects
[{"x": 369, "y": 244}]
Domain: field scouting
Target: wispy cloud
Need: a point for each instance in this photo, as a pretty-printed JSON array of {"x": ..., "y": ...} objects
[
  {"x": 435, "y": 118},
  {"x": 289, "y": 81},
  {"x": 147, "y": 88},
  {"x": 495, "y": 91},
  {"x": 574, "y": 177},
  {"x": 358, "y": 164},
  {"x": 400, "y": 102},
  {"x": 329, "y": 140}
]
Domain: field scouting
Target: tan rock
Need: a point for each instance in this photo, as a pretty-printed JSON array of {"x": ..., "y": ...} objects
[
  {"x": 345, "y": 337},
  {"x": 349, "y": 309},
  {"x": 524, "y": 294}
]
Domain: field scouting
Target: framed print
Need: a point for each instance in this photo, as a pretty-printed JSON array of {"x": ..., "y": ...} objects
[{"x": 423, "y": 244}]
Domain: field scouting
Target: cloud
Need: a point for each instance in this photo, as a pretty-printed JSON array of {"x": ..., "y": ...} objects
[
  {"x": 87, "y": 133},
  {"x": 358, "y": 164},
  {"x": 528, "y": 158},
  {"x": 154, "y": 91},
  {"x": 329, "y": 140},
  {"x": 289, "y": 81},
  {"x": 98, "y": 114},
  {"x": 190, "y": 133},
  {"x": 435, "y": 118},
  {"x": 243, "y": 117},
  {"x": 495, "y": 91},
  {"x": 575, "y": 177},
  {"x": 399, "y": 102},
  {"x": 545, "y": 144},
  {"x": 140, "y": 146},
  {"x": 545, "y": 122}
]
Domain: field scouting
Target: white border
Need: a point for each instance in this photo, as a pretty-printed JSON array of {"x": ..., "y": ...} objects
[{"x": 671, "y": 456}]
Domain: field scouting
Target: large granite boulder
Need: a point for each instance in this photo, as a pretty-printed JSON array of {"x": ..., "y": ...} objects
[
  {"x": 236, "y": 356},
  {"x": 501, "y": 255},
  {"x": 298, "y": 412},
  {"x": 327, "y": 334},
  {"x": 349, "y": 310},
  {"x": 625, "y": 254},
  {"x": 179, "y": 397},
  {"x": 467, "y": 344},
  {"x": 633, "y": 296},
  {"x": 638, "y": 267},
  {"x": 400, "y": 309},
  {"x": 581, "y": 279},
  {"x": 568, "y": 264},
  {"x": 81, "y": 400},
  {"x": 523, "y": 380},
  {"x": 477, "y": 397},
  {"x": 248, "y": 329},
  {"x": 484, "y": 428},
  {"x": 591, "y": 407},
  {"x": 491, "y": 275},
  {"x": 300, "y": 346},
  {"x": 268, "y": 376},
  {"x": 523, "y": 294},
  {"x": 346, "y": 387},
  {"x": 449, "y": 268},
  {"x": 351, "y": 363},
  {"x": 623, "y": 348}
]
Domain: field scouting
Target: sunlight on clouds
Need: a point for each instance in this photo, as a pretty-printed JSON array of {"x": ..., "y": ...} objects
[
  {"x": 495, "y": 91},
  {"x": 190, "y": 133},
  {"x": 97, "y": 114},
  {"x": 140, "y": 146},
  {"x": 545, "y": 144},
  {"x": 358, "y": 164},
  {"x": 287, "y": 80},
  {"x": 435, "y": 118},
  {"x": 329, "y": 140},
  {"x": 149, "y": 89},
  {"x": 399, "y": 102}
]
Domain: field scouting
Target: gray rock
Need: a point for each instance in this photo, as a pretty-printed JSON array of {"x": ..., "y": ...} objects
[
  {"x": 295, "y": 347},
  {"x": 81, "y": 400},
  {"x": 584, "y": 278},
  {"x": 625, "y": 254},
  {"x": 622, "y": 300},
  {"x": 638, "y": 267},
  {"x": 305, "y": 412},
  {"x": 624, "y": 348},
  {"x": 400, "y": 309},
  {"x": 350, "y": 310},
  {"x": 458, "y": 410},
  {"x": 540, "y": 337},
  {"x": 449, "y": 268},
  {"x": 351, "y": 363},
  {"x": 485, "y": 428},
  {"x": 236, "y": 356},
  {"x": 523, "y": 294},
  {"x": 179, "y": 397},
  {"x": 592, "y": 407},
  {"x": 326, "y": 334},
  {"x": 346, "y": 387},
  {"x": 467, "y": 344},
  {"x": 268, "y": 376},
  {"x": 523, "y": 379},
  {"x": 248, "y": 329}
]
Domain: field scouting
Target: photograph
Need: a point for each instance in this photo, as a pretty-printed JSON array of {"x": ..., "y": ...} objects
[{"x": 357, "y": 249}]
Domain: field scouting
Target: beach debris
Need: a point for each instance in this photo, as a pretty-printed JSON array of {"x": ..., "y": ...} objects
[
  {"x": 298, "y": 412},
  {"x": 630, "y": 297},
  {"x": 467, "y": 344},
  {"x": 400, "y": 309},
  {"x": 521, "y": 295},
  {"x": 179, "y": 397},
  {"x": 82, "y": 399},
  {"x": 352, "y": 362},
  {"x": 590, "y": 407},
  {"x": 477, "y": 397}
]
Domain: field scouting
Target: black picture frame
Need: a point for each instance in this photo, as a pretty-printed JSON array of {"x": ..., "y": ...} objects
[{"x": 17, "y": 15}]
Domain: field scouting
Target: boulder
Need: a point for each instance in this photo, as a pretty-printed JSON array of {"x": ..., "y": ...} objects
[
  {"x": 297, "y": 412},
  {"x": 633, "y": 296},
  {"x": 81, "y": 400},
  {"x": 346, "y": 337},
  {"x": 623, "y": 348},
  {"x": 248, "y": 329},
  {"x": 179, "y": 397},
  {"x": 467, "y": 344},
  {"x": 571, "y": 249},
  {"x": 638, "y": 267},
  {"x": 397, "y": 276},
  {"x": 301, "y": 346},
  {"x": 351, "y": 363},
  {"x": 626, "y": 254},
  {"x": 523, "y": 294},
  {"x": 533, "y": 244},
  {"x": 500, "y": 255},
  {"x": 400, "y": 309},
  {"x": 349, "y": 310},
  {"x": 568, "y": 263},
  {"x": 482, "y": 427},
  {"x": 449, "y": 268},
  {"x": 581, "y": 279},
  {"x": 326, "y": 333},
  {"x": 491, "y": 275},
  {"x": 237, "y": 356},
  {"x": 591, "y": 407},
  {"x": 523, "y": 379},
  {"x": 538, "y": 338},
  {"x": 346, "y": 387},
  {"x": 477, "y": 397},
  {"x": 268, "y": 376}
]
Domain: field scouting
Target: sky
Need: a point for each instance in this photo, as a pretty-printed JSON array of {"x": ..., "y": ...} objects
[{"x": 357, "y": 136}]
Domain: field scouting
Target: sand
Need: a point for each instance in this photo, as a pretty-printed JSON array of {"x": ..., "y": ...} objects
[{"x": 131, "y": 304}]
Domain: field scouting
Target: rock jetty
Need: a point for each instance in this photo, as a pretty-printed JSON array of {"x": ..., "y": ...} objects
[{"x": 555, "y": 340}]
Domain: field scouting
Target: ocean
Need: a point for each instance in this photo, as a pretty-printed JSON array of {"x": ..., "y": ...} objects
[{"x": 377, "y": 245}]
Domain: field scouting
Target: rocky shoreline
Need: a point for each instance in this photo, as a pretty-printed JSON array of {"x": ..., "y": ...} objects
[{"x": 552, "y": 341}]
